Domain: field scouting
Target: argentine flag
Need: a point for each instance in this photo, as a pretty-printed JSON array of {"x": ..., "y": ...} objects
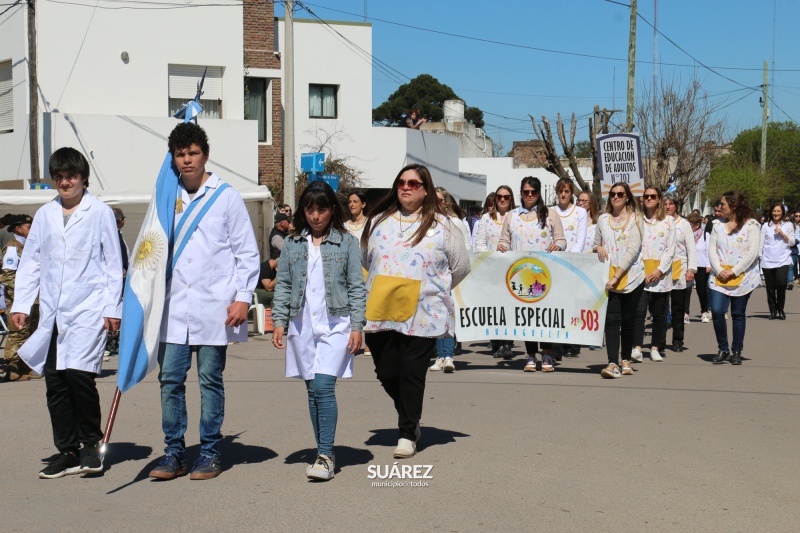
[{"x": 145, "y": 286}]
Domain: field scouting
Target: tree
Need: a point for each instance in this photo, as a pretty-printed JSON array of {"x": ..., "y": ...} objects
[
  {"x": 583, "y": 149},
  {"x": 739, "y": 169},
  {"x": 429, "y": 94},
  {"x": 680, "y": 134}
]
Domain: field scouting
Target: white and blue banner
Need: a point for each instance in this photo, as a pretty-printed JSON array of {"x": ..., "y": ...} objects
[
  {"x": 533, "y": 296},
  {"x": 145, "y": 285}
]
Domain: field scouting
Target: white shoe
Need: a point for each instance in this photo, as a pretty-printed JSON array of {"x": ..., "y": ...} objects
[
  {"x": 611, "y": 371},
  {"x": 448, "y": 365},
  {"x": 437, "y": 365},
  {"x": 685, "y": 319},
  {"x": 655, "y": 356},
  {"x": 530, "y": 366},
  {"x": 636, "y": 355},
  {"x": 322, "y": 469},
  {"x": 727, "y": 316},
  {"x": 405, "y": 449},
  {"x": 705, "y": 318}
]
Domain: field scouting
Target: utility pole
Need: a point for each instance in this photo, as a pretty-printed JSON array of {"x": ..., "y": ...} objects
[
  {"x": 33, "y": 95},
  {"x": 631, "y": 68},
  {"x": 764, "y": 117},
  {"x": 288, "y": 113}
]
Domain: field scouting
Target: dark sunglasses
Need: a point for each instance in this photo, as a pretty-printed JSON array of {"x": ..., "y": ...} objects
[
  {"x": 650, "y": 196},
  {"x": 411, "y": 185},
  {"x": 529, "y": 192},
  {"x": 503, "y": 196},
  {"x": 622, "y": 194}
]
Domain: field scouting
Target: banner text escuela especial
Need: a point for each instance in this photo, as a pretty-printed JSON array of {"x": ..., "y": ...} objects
[{"x": 533, "y": 296}]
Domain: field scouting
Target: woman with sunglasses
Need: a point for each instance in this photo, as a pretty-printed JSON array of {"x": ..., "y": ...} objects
[
  {"x": 487, "y": 237},
  {"x": 414, "y": 256},
  {"x": 684, "y": 267},
  {"x": 532, "y": 227},
  {"x": 618, "y": 240},
  {"x": 777, "y": 239},
  {"x": 733, "y": 254},
  {"x": 658, "y": 251}
]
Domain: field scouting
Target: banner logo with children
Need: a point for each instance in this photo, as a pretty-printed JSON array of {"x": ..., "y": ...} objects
[{"x": 533, "y": 296}]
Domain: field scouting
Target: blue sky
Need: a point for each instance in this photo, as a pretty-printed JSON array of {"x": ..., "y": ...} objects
[{"x": 511, "y": 81}]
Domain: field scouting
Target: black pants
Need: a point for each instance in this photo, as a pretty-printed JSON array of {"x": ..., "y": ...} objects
[
  {"x": 401, "y": 364},
  {"x": 775, "y": 281},
  {"x": 658, "y": 301},
  {"x": 532, "y": 347},
  {"x": 620, "y": 318},
  {"x": 678, "y": 302},
  {"x": 701, "y": 284},
  {"x": 73, "y": 402}
]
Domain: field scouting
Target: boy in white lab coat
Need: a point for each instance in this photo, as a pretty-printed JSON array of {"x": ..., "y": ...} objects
[
  {"x": 72, "y": 260},
  {"x": 216, "y": 266}
]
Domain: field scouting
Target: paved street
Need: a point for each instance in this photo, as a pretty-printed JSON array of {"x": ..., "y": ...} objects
[{"x": 682, "y": 445}]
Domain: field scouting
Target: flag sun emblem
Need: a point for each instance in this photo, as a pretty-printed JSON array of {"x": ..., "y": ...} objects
[{"x": 149, "y": 251}]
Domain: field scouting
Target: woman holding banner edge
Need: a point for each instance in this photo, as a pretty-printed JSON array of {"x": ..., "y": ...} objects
[
  {"x": 618, "y": 240},
  {"x": 658, "y": 254},
  {"x": 533, "y": 227}
]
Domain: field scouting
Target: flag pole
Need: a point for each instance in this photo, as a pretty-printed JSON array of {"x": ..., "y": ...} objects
[{"x": 112, "y": 414}]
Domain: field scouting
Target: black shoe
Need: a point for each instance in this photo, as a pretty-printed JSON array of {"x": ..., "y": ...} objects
[
  {"x": 91, "y": 463},
  {"x": 66, "y": 464},
  {"x": 773, "y": 315},
  {"x": 170, "y": 467},
  {"x": 677, "y": 346},
  {"x": 507, "y": 353},
  {"x": 206, "y": 468},
  {"x": 736, "y": 358},
  {"x": 781, "y": 315},
  {"x": 721, "y": 358}
]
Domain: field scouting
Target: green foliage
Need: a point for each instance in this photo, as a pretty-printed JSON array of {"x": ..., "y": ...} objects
[
  {"x": 583, "y": 149},
  {"x": 732, "y": 174},
  {"x": 429, "y": 94}
]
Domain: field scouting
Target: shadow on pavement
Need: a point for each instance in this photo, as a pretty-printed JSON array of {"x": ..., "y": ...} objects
[
  {"x": 231, "y": 452},
  {"x": 431, "y": 436},
  {"x": 345, "y": 456}
]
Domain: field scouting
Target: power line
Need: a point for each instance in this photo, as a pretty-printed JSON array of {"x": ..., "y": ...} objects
[
  {"x": 782, "y": 111},
  {"x": 157, "y": 6},
  {"x": 10, "y": 7}
]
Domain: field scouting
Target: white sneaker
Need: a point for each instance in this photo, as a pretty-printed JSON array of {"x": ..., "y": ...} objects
[
  {"x": 686, "y": 319},
  {"x": 636, "y": 355},
  {"x": 322, "y": 468},
  {"x": 611, "y": 371},
  {"x": 530, "y": 366},
  {"x": 448, "y": 365},
  {"x": 655, "y": 356},
  {"x": 626, "y": 368},
  {"x": 705, "y": 318},
  {"x": 437, "y": 365},
  {"x": 405, "y": 449}
]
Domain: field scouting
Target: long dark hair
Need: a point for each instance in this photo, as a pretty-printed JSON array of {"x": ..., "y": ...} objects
[
  {"x": 741, "y": 210},
  {"x": 320, "y": 195},
  {"x": 389, "y": 205},
  {"x": 783, "y": 212},
  {"x": 541, "y": 209}
]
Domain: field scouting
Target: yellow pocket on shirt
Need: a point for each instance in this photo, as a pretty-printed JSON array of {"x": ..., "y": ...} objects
[
  {"x": 735, "y": 282},
  {"x": 676, "y": 270},
  {"x": 623, "y": 282},
  {"x": 650, "y": 266},
  {"x": 392, "y": 298}
]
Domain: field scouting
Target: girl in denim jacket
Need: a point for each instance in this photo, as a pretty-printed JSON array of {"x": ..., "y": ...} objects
[{"x": 320, "y": 296}]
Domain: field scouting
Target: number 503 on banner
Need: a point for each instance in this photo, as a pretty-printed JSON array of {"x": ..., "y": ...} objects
[{"x": 533, "y": 296}]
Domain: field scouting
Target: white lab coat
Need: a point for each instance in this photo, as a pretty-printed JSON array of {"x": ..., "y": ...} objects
[
  {"x": 219, "y": 265},
  {"x": 77, "y": 272}
]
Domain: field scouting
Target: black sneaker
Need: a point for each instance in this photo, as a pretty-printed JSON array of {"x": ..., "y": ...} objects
[
  {"x": 91, "y": 463},
  {"x": 721, "y": 358},
  {"x": 206, "y": 468},
  {"x": 736, "y": 358},
  {"x": 508, "y": 353},
  {"x": 66, "y": 464},
  {"x": 170, "y": 467},
  {"x": 677, "y": 346}
]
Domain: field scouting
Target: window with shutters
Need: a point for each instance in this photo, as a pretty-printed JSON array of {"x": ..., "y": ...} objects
[
  {"x": 183, "y": 88},
  {"x": 6, "y": 98},
  {"x": 322, "y": 101}
]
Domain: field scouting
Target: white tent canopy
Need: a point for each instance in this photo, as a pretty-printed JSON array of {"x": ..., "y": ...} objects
[{"x": 258, "y": 200}]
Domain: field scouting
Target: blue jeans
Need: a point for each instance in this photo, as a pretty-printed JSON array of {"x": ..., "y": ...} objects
[
  {"x": 324, "y": 411},
  {"x": 445, "y": 347},
  {"x": 174, "y": 361},
  {"x": 719, "y": 306}
]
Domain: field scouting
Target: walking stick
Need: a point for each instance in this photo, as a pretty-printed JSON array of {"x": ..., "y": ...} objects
[{"x": 112, "y": 414}]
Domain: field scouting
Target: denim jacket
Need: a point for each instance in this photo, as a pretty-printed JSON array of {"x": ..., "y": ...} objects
[{"x": 345, "y": 293}]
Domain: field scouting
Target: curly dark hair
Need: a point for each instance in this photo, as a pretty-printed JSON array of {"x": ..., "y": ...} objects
[{"x": 186, "y": 134}]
